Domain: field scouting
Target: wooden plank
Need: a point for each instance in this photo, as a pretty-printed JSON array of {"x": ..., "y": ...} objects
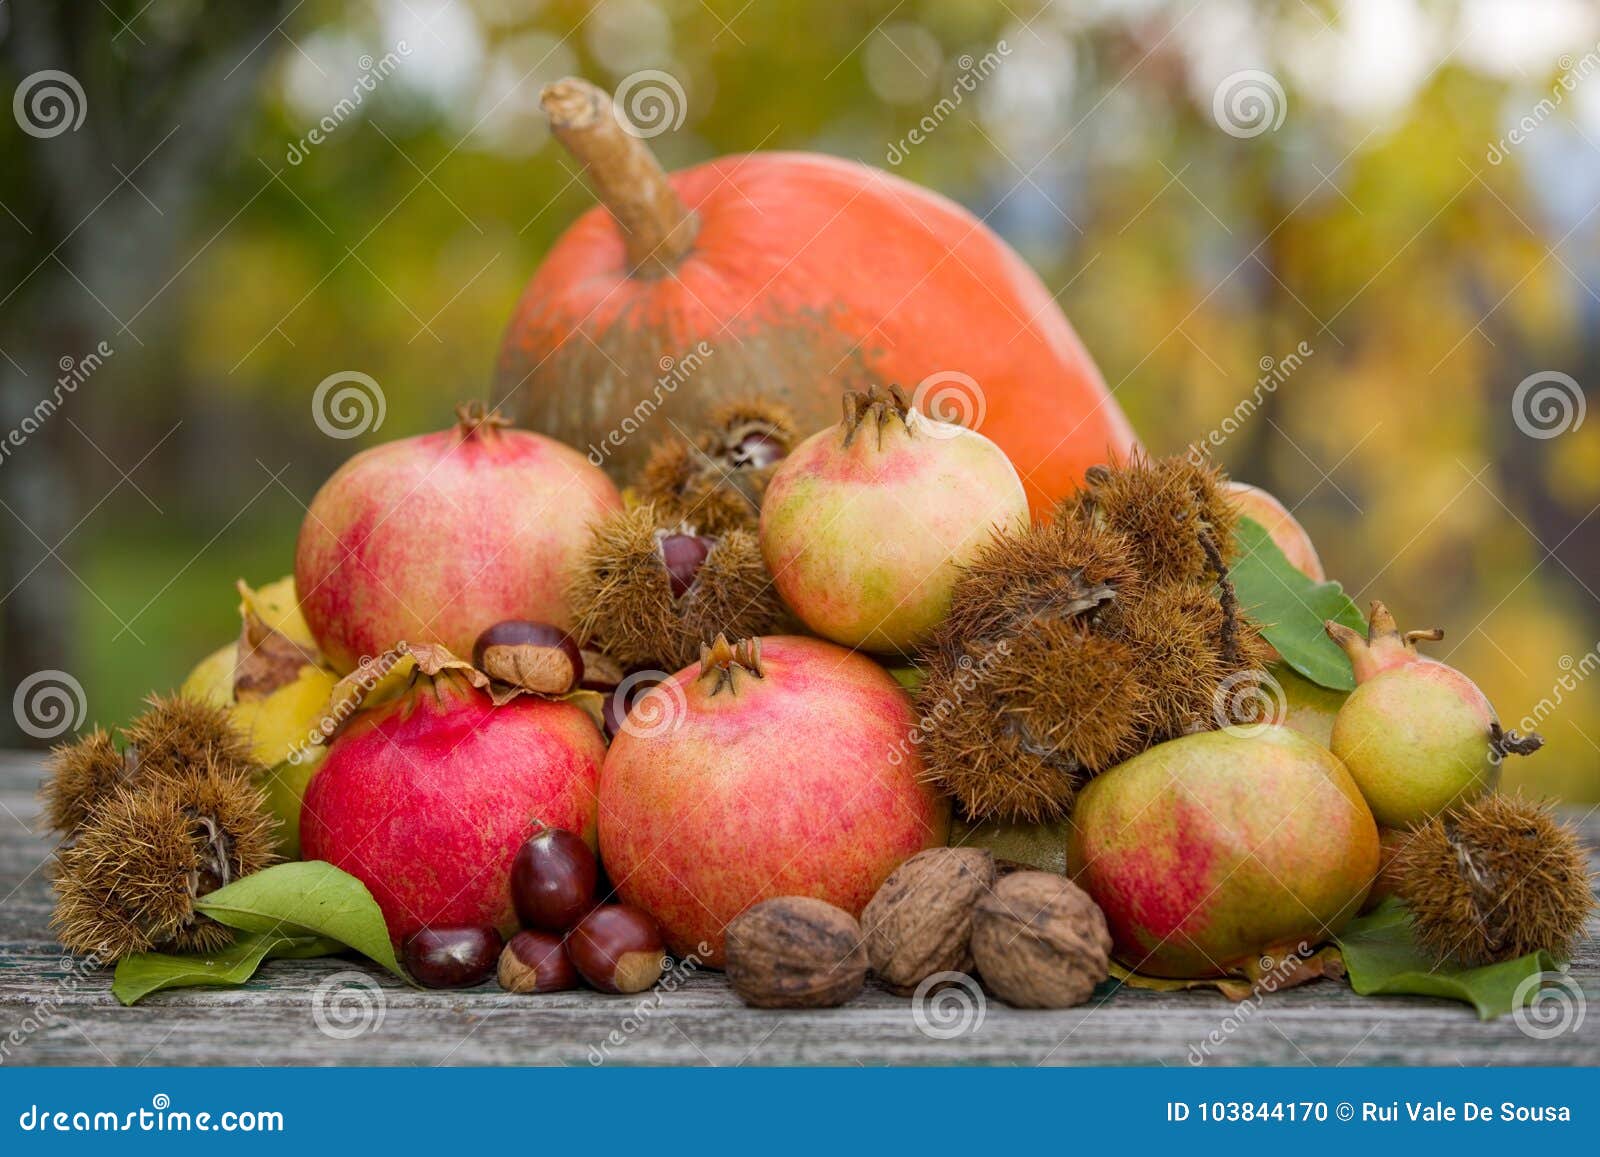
[{"x": 292, "y": 1013}]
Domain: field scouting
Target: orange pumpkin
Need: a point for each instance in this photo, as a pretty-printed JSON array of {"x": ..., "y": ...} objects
[{"x": 794, "y": 275}]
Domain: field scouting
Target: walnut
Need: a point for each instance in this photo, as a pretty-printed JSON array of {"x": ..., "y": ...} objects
[
  {"x": 1039, "y": 941},
  {"x": 795, "y": 952},
  {"x": 920, "y": 922}
]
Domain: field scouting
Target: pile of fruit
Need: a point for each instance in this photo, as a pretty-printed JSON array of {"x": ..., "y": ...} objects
[{"x": 833, "y": 686}]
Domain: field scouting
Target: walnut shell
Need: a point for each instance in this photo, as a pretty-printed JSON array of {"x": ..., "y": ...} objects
[
  {"x": 920, "y": 922},
  {"x": 1039, "y": 941},
  {"x": 795, "y": 952}
]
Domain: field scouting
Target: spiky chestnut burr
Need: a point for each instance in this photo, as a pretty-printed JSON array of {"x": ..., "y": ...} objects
[
  {"x": 1074, "y": 646},
  {"x": 1010, "y": 729},
  {"x": 129, "y": 882},
  {"x": 174, "y": 733},
  {"x": 1174, "y": 511},
  {"x": 78, "y": 776},
  {"x": 1495, "y": 879},
  {"x": 1187, "y": 652},
  {"x": 647, "y": 600},
  {"x": 716, "y": 481},
  {"x": 1062, "y": 569}
]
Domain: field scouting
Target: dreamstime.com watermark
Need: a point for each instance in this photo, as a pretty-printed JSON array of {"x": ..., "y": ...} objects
[
  {"x": 347, "y": 404},
  {"x": 49, "y": 704},
  {"x": 1277, "y": 974},
  {"x": 1246, "y": 703},
  {"x": 659, "y": 709},
  {"x": 969, "y": 676},
  {"x": 674, "y": 372},
  {"x": 1549, "y": 1004},
  {"x": 48, "y": 103},
  {"x": 1573, "y": 73},
  {"x": 160, "y": 1117},
  {"x": 973, "y": 73},
  {"x": 1548, "y": 404},
  {"x": 1248, "y": 103},
  {"x": 370, "y": 672},
  {"x": 74, "y": 372},
  {"x": 348, "y": 1004},
  {"x": 373, "y": 72},
  {"x": 46, "y": 1011},
  {"x": 953, "y": 400},
  {"x": 1274, "y": 372},
  {"x": 640, "y": 1014},
  {"x": 649, "y": 102},
  {"x": 1574, "y": 673},
  {"x": 947, "y": 1005}
]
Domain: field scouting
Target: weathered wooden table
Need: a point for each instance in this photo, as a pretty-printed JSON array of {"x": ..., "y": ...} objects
[{"x": 324, "y": 1012}]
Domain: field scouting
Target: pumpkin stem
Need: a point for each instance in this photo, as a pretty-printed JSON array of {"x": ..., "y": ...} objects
[{"x": 657, "y": 228}]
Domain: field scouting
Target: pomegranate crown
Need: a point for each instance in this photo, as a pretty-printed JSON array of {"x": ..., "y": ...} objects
[
  {"x": 474, "y": 418},
  {"x": 1385, "y": 645},
  {"x": 724, "y": 663},
  {"x": 877, "y": 407}
]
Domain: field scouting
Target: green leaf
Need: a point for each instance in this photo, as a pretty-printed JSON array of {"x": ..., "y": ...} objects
[
  {"x": 140, "y": 975},
  {"x": 911, "y": 677},
  {"x": 1382, "y": 957},
  {"x": 1291, "y": 608},
  {"x": 307, "y": 898}
]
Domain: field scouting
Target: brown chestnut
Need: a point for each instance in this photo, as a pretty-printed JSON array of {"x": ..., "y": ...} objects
[
  {"x": 534, "y": 656},
  {"x": 552, "y": 880},
  {"x": 536, "y": 962},
  {"x": 618, "y": 948},
  {"x": 451, "y": 957},
  {"x": 682, "y": 555}
]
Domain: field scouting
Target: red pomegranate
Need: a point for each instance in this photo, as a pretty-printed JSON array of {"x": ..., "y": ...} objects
[
  {"x": 777, "y": 767},
  {"x": 431, "y": 539},
  {"x": 426, "y": 799},
  {"x": 792, "y": 275}
]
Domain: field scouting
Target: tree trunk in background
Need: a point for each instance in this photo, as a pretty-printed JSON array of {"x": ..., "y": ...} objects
[{"x": 87, "y": 256}]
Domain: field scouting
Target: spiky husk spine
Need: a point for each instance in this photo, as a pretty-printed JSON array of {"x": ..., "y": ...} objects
[
  {"x": 129, "y": 882},
  {"x": 173, "y": 734},
  {"x": 1074, "y": 646},
  {"x": 1493, "y": 880},
  {"x": 78, "y": 776},
  {"x": 708, "y": 482},
  {"x": 623, "y": 602}
]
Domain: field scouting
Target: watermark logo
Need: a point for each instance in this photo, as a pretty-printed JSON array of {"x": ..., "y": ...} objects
[
  {"x": 1248, "y": 103},
  {"x": 1248, "y": 702},
  {"x": 347, "y": 404},
  {"x": 973, "y": 72},
  {"x": 953, "y": 398},
  {"x": 673, "y": 373},
  {"x": 639, "y": 1016},
  {"x": 1548, "y": 1005},
  {"x": 1547, "y": 404},
  {"x": 656, "y": 711},
  {"x": 348, "y": 1004},
  {"x": 651, "y": 102},
  {"x": 372, "y": 72},
  {"x": 1572, "y": 74},
  {"x": 1274, "y": 372},
  {"x": 49, "y": 103},
  {"x": 947, "y": 1005},
  {"x": 48, "y": 704},
  {"x": 74, "y": 372}
]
